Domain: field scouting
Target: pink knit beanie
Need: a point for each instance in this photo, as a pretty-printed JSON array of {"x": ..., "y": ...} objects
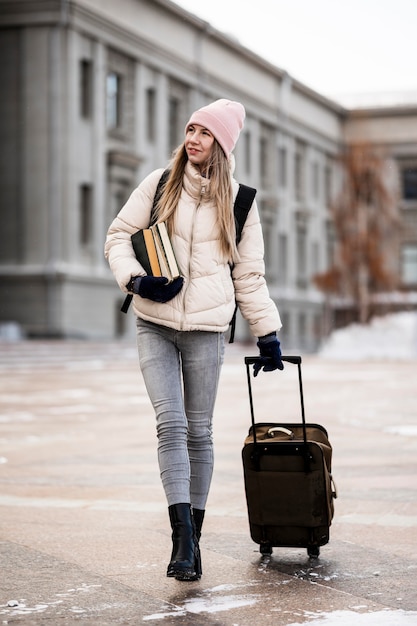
[{"x": 224, "y": 119}]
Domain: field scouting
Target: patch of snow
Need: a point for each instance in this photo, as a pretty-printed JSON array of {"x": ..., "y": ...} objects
[
  {"x": 405, "y": 430},
  {"x": 209, "y": 605},
  {"x": 347, "y": 618},
  {"x": 391, "y": 337}
]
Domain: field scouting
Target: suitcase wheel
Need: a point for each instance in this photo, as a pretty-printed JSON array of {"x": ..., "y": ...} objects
[
  {"x": 265, "y": 548},
  {"x": 313, "y": 552}
]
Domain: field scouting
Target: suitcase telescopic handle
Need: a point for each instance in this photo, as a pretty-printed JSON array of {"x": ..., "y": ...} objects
[
  {"x": 296, "y": 360},
  {"x": 251, "y": 360}
]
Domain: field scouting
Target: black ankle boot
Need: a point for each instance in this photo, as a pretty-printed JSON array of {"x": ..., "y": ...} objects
[
  {"x": 185, "y": 550},
  {"x": 198, "y": 517}
]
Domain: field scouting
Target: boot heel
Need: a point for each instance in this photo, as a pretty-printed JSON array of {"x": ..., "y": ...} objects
[
  {"x": 197, "y": 563},
  {"x": 198, "y": 517}
]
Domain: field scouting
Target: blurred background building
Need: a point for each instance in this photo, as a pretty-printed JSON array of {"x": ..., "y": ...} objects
[{"x": 95, "y": 95}]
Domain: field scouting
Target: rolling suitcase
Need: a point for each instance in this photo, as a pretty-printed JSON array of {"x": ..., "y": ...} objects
[{"x": 288, "y": 483}]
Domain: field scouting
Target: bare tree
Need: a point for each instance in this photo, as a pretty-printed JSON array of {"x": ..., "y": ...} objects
[{"x": 366, "y": 224}]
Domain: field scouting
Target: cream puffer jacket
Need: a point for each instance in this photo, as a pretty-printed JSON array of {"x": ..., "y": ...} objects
[{"x": 207, "y": 299}]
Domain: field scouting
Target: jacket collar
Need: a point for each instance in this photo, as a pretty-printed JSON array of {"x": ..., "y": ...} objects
[{"x": 194, "y": 183}]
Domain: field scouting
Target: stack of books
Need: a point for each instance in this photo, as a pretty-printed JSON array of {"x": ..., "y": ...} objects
[{"x": 154, "y": 251}]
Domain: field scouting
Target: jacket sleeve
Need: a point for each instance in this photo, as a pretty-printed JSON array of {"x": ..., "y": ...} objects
[
  {"x": 133, "y": 216},
  {"x": 251, "y": 291}
]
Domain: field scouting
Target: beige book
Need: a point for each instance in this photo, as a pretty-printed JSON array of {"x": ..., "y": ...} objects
[{"x": 165, "y": 251}]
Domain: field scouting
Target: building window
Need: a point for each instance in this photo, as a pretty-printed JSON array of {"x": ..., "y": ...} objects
[
  {"x": 282, "y": 270},
  {"x": 317, "y": 327},
  {"x": 299, "y": 175},
  {"x": 282, "y": 164},
  {"x": 302, "y": 327},
  {"x": 86, "y": 88},
  {"x": 86, "y": 210},
  {"x": 113, "y": 98},
  {"x": 328, "y": 184},
  {"x": 330, "y": 242},
  {"x": 315, "y": 180},
  {"x": 247, "y": 140},
  {"x": 151, "y": 114},
  {"x": 263, "y": 160},
  {"x": 409, "y": 183},
  {"x": 173, "y": 122},
  {"x": 409, "y": 264},
  {"x": 301, "y": 239},
  {"x": 315, "y": 258}
]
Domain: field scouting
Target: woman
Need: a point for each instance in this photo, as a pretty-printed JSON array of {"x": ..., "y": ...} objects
[{"x": 181, "y": 325}]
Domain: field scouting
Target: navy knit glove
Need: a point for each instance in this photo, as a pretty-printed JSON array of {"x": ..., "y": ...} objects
[
  {"x": 269, "y": 354},
  {"x": 157, "y": 288}
]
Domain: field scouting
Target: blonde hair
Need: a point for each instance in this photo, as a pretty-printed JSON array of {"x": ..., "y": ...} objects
[{"x": 220, "y": 192}]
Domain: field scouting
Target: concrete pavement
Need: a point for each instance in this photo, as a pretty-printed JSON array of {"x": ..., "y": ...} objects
[{"x": 83, "y": 523}]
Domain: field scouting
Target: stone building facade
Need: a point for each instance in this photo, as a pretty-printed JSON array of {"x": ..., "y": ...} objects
[{"x": 96, "y": 94}]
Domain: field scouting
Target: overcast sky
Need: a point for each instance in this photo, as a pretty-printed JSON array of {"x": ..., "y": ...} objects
[{"x": 335, "y": 47}]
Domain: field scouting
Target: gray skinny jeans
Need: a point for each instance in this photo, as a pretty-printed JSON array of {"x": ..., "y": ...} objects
[{"x": 181, "y": 372}]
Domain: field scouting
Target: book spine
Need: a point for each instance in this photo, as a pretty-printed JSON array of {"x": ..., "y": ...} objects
[
  {"x": 165, "y": 271},
  {"x": 141, "y": 253},
  {"x": 168, "y": 249},
  {"x": 152, "y": 252}
]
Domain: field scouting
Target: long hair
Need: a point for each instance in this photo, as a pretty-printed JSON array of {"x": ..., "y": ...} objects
[{"x": 220, "y": 193}]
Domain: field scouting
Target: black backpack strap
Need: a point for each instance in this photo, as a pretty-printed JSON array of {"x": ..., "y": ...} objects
[
  {"x": 158, "y": 194},
  {"x": 243, "y": 202},
  {"x": 126, "y": 303}
]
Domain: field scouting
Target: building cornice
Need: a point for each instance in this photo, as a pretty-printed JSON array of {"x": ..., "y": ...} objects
[{"x": 404, "y": 110}]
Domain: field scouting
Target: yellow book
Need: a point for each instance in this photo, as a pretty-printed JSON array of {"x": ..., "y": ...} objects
[
  {"x": 161, "y": 256},
  {"x": 152, "y": 252}
]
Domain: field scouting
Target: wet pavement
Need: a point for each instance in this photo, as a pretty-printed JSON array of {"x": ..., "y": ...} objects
[{"x": 83, "y": 522}]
